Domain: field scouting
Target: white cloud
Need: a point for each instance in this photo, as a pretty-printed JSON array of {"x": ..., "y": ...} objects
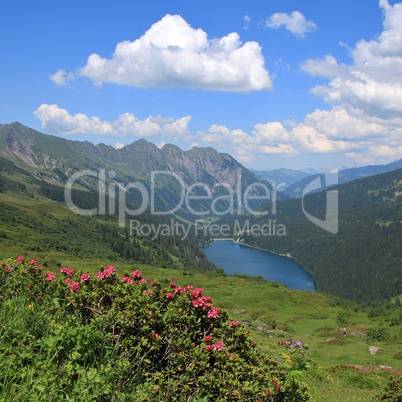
[
  {"x": 173, "y": 54},
  {"x": 294, "y": 22},
  {"x": 359, "y": 158},
  {"x": 119, "y": 145},
  {"x": 246, "y": 20},
  {"x": 62, "y": 77},
  {"x": 365, "y": 95},
  {"x": 372, "y": 83},
  {"x": 338, "y": 124},
  {"x": 328, "y": 67},
  {"x": 387, "y": 151},
  {"x": 59, "y": 121},
  {"x": 332, "y": 131}
]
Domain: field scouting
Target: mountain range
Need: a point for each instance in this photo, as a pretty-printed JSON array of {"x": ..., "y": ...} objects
[{"x": 194, "y": 173}]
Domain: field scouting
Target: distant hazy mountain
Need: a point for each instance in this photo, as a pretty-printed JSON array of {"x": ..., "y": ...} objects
[
  {"x": 282, "y": 175},
  {"x": 53, "y": 160},
  {"x": 345, "y": 176}
]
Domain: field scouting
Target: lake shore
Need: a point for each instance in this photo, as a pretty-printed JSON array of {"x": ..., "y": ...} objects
[{"x": 271, "y": 266}]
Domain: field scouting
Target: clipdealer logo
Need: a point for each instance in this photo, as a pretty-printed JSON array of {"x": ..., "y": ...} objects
[{"x": 236, "y": 199}]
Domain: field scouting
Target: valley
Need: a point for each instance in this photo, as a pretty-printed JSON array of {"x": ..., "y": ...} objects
[{"x": 357, "y": 271}]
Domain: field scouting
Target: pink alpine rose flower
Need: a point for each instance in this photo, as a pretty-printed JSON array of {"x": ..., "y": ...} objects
[
  {"x": 67, "y": 271},
  {"x": 213, "y": 313},
  {"x": 85, "y": 277},
  {"x": 207, "y": 338},
  {"x": 127, "y": 279},
  {"x": 218, "y": 346},
  {"x": 50, "y": 276},
  {"x": 136, "y": 274},
  {"x": 74, "y": 287}
]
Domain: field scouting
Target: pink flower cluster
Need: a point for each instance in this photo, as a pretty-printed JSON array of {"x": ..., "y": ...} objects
[
  {"x": 219, "y": 346},
  {"x": 109, "y": 270},
  {"x": 85, "y": 277},
  {"x": 195, "y": 293},
  {"x": 67, "y": 271},
  {"x": 50, "y": 276},
  {"x": 7, "y": 268},
  {"x": 136, "y": 274},
  {"x": 233, "y": 324},
  {"x": 213, "y": 313},
  {"x": 199, "y": 300},
  {"x": 169, "y": 295},
  {"x": 74, "y": 287},
  {"x": 127, "y": 279},
  {"x": 207, "y": 338},
  {"x": 179, "y": 290},
  {"x": 34, "y": 263},
  {"x": 20, "y": 259},
  {"x": 203, "y": 301}
]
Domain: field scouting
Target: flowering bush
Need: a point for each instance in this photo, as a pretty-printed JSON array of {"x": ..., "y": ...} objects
[
  {"x": 128, "y": 337},
  {"x": 393, "y": 390}
]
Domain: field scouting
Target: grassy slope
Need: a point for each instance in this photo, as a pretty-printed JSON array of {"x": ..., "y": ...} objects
[{"x": 306, "y": 316}]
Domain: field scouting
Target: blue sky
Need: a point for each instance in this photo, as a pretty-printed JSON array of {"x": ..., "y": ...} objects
[{"x": 278, "y": 83}]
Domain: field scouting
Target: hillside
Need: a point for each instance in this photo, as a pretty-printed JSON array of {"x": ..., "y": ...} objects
[
  {"x": 35, "y": 218},
  {"x": 363, "y": 261}
]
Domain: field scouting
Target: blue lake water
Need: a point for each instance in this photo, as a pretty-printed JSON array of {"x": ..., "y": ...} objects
[{"x": 234, "y": 258}]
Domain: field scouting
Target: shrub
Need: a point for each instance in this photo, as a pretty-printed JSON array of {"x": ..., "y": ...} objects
[
  {"x": 78, "y": 337},
  {"x": 343, "y": 318},
  {"x": 380, "y": 334},
  {"x": 392, "y": 391},
  {"x": 397, "y": 355}
]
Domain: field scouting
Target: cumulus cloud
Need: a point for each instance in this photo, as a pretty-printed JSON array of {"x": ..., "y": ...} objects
[
  {"x": 321, "y": 132},
  {"x": 173, "y": 54},
  {"x": 59, "y": 121},
  {"x": 119, "y": 145},
  {"x": 294, "y": 22},
  {"x": 327, "y": 67},
  {"x": 62, "y": 77},
  {"x": 365, "y": 94},
  {"x": 372, "y": 83}
]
